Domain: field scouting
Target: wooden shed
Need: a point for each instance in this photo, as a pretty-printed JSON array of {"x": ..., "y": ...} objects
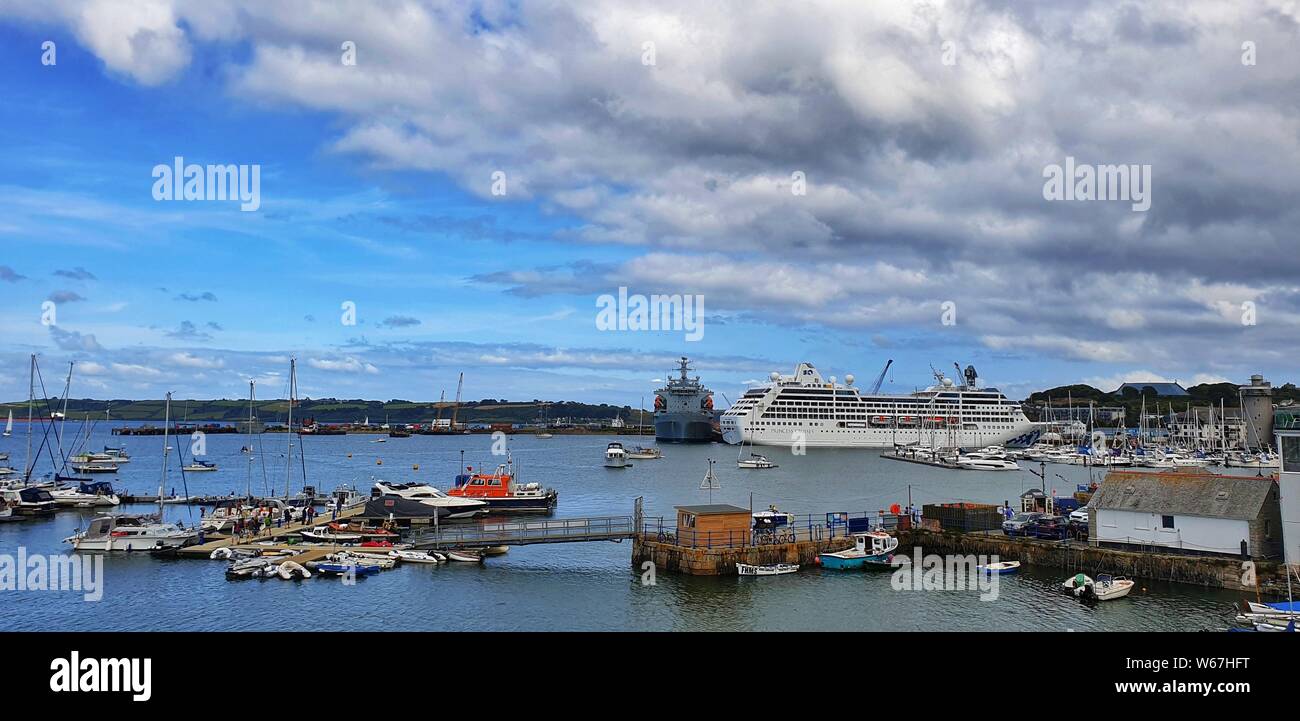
[{"x": 719, "y": 524}]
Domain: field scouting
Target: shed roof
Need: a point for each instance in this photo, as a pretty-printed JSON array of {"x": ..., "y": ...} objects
[
  {"x": 715, "y": 509},
  {"x": 1187, "y": 493}
]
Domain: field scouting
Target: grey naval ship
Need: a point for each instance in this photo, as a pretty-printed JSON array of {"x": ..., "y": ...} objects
[{"x": 684, "y": 409}]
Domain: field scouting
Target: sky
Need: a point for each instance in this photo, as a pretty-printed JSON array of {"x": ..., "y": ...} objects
[{"x": 450, "y": 187}]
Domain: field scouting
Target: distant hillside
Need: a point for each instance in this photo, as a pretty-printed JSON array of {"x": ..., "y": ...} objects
[{"x": 327, "y": 410}]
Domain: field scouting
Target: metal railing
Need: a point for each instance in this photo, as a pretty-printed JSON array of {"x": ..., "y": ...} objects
[
  {"x": 518, "y": 533},
  {"x": 807, "y": 527}
]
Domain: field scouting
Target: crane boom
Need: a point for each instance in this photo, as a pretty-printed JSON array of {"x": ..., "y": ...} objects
[
  {"x": 455, "y": 410},
  {"x": 875, "y": 387}
]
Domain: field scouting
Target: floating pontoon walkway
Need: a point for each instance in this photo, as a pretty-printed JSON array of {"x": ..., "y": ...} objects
[
  {"x": 274, "y": 533},
  {"x": 522, "y": 533}
]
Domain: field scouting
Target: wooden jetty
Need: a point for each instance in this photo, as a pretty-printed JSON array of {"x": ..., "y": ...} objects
[{"x": 274, "y": 533}]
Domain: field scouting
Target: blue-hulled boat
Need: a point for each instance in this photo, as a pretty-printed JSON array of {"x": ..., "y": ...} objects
[
  {"x": 874, "y": 548},
  {"x": 1001, "y": 567}
]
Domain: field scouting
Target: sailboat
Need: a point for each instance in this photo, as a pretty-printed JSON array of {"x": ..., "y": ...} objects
[
  {"x": 755, "y": 460},
  {"x": 9, "y": 426},
  {"x": 136, "y": 532}
]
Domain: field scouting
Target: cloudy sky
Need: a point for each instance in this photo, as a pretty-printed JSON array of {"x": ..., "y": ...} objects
[{"x": 827, "y": 175}]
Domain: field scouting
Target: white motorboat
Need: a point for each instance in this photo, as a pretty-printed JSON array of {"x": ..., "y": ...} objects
[
  {"x": 95, "y": 467},
  {"x": 130, "y": 533},
  {"x": 755, "y": 460},
  {"x": 200, "y": 467},
  {"x": 746, "y": 569},
  {"x": 325, "y": 534},
  {"x": 615, "y": 455},
  {"x": 641, "y": 453},
  {"x": 1000, "y": 567},
  {"x": 457, "y": 507},
  {"x": 976, "y": 462},
  {"x": 1105, "y": 588},
  {"x": 88, "y": 494},
  {"x": 28, "y": 500},
  {"x": 117, "y": 455}
]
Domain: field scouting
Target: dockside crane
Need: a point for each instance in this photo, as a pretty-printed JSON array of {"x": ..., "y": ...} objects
[
  {"x": 875, "y": 387},
  {"x": 455, "y": 410}
]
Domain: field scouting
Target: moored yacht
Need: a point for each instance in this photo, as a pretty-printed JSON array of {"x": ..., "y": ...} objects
[
  {"x": 430, "y": 496},
  {"x": 87, "y": 494},
  {"x": 615, "y": 456}
]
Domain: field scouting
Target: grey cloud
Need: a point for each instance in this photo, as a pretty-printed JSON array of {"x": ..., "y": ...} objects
[{"x": 77, "y": 273}]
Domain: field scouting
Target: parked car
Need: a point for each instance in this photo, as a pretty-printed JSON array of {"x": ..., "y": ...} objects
[
  {"x": 1079, "y": 516},
  {"x": 1054, "y": 528},
  {"x": 1017, "y": 524}
]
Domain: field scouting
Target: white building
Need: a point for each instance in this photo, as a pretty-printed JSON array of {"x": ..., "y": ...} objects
[{"x": 1193, "y": 512}]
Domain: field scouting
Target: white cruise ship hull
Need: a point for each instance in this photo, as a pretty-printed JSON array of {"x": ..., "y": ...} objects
[
  {"x": 804, "y": 410},
  {"x": 814, "y": 437}
]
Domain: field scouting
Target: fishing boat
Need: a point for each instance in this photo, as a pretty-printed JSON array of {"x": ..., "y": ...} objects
[
  {"x": 1000, "y": 567},
  {"x": 1105, "y": 588},
  {"x": 502, "y": 493},
  {"x": 874, "y": 548},
  {"x": 87, "y": 494},
  {"x": 455, "y": 505},
  {"x": 200, "y": 467},
  {"x": 746, "y": 569},
  {"x": 755, "y": 460},
  {"x": 615, "y": 455},
  {"x": 464, "y": 556},
  {"x": 642, "y": 453}
]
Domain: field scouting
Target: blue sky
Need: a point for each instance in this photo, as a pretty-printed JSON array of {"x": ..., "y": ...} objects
[{"x": 375, "y": 190}]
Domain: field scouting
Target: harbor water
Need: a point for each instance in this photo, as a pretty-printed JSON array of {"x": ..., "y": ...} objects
[{"x": 574, "y": 586}]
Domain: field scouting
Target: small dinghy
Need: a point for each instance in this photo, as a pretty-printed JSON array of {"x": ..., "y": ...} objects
[
  {"x": 413, "y": 557},
  {"x": 494, "y": 550},
  {"x": 383, "y": 562},
  {"x": 464, "y": 557},
  {"x": 779, "y": 569},
  {"x": 247, "y": 568},
  {"x": 1000, "y": 567},
  {"x": 328, "y": 568},
  {"x": 290, "y": 570},
  {"x": 1105, "y": 588}
]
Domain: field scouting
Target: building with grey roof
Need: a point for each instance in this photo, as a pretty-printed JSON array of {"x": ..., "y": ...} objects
[{"x": 1187, "y": 511}]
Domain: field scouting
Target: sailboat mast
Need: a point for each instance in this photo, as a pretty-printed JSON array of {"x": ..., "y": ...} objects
[
  {"x": 31, "y": 405},
  {"x": 249, "y": 435},
  {"x": 288, "y": 458},
  {"x": 167, "y": 422}
]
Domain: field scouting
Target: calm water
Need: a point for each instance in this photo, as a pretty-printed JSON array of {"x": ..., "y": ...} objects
[{"x": 583, "y": 586}]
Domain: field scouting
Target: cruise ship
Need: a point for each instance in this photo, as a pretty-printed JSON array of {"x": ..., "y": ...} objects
[{"x": 806, "y": 408}]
